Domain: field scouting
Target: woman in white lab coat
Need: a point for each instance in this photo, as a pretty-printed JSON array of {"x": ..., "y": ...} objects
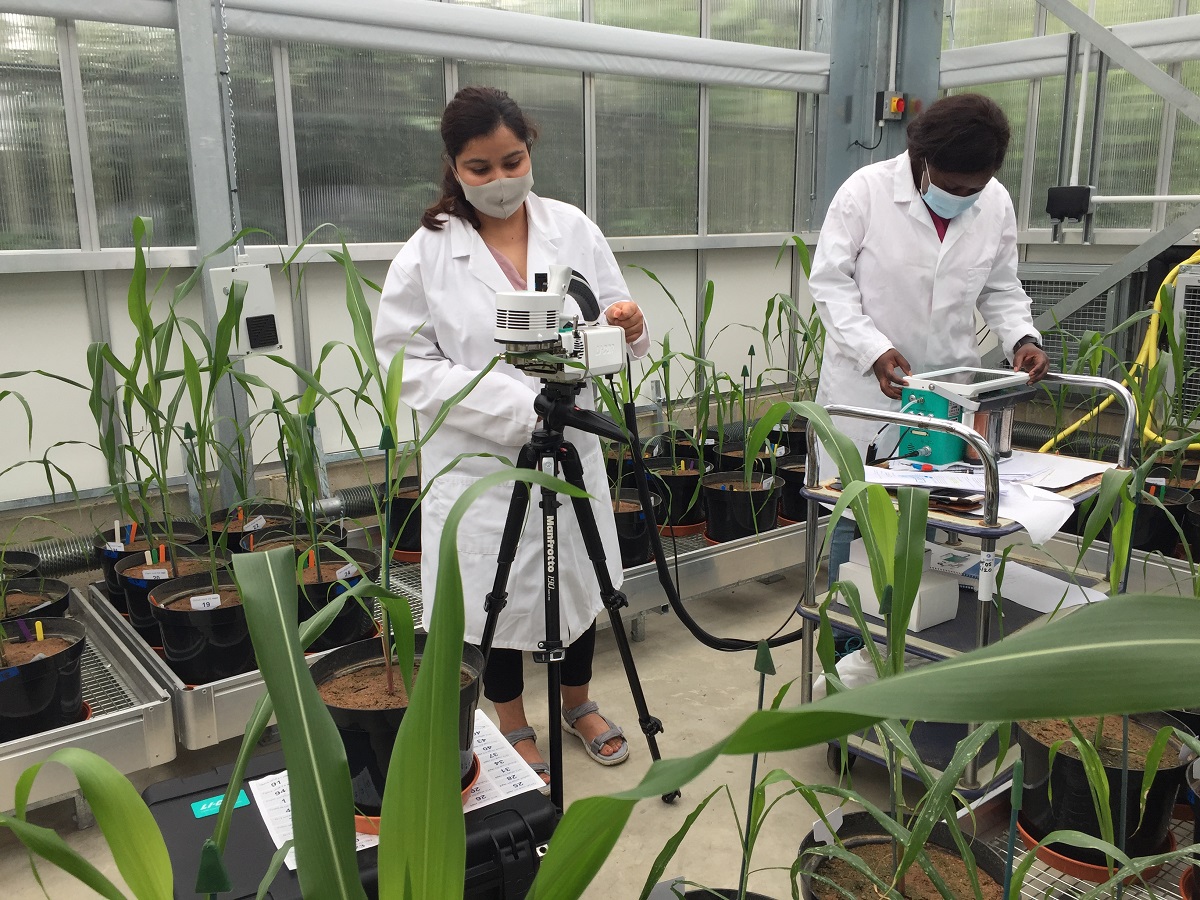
[
  {"x": 488, "y": 233},
  {"x": 910, "y": 249}
]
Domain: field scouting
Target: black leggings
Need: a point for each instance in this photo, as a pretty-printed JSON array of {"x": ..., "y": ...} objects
[{"x": 504, "y": 679}]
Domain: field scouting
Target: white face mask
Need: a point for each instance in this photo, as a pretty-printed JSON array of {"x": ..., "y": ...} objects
[
  {"x": 944, "y": 203},
  {"x": 500, "y": 197}
]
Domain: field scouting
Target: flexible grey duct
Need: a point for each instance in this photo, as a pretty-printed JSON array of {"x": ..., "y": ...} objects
[{"x": 1031, "y": 435}]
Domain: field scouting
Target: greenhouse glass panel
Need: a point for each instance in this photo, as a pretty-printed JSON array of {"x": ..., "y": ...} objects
[
  {"x": 368, "y": 151},
  {"x": 1185, "y": 164},
  {"x": 666, "y": 16},
  {"x": 135, "y": 120},
  {"x": 1118, "y": 12},
  {"x": 37, "y": 197},
  {"x": 256, "y": 137},
  {"x": 1133, "y": 117},
  {"x": 970, "y": 23},
  {"x": 767, "y": 24},
  {"x": 752, "y": 160},
  {"x": 647, "y": 151},
  {"x": 1013, "y": 98},
  {"x": 554, "y": 100},
  {"x": 558, "y": 9},
  {"x": 1045, "y": 164}
]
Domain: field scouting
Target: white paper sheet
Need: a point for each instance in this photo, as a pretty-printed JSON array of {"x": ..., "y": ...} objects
[
  {"x": 502, "y": 774},
  {"x": 1025, "y": 585}
]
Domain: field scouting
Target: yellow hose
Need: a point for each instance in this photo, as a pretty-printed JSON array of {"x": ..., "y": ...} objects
[{"x": 1146, "y": 359}]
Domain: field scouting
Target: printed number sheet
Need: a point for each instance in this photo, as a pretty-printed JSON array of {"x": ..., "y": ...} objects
[{"x": 502, "y": 773}]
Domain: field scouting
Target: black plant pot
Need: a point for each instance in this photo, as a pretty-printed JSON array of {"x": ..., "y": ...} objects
[
  {"x": 19, "y": 564},
  {"x": 1058, "y": 796},
  {"x": 633, "y": 527},
  {"x": 1154, "y": 529},
  {"x": 404, "y": 526},
  {"x": 191, "y": 559},
  {"x": 369, "y": 735},
  {"x": 727, "y": 893},
  {"x": 860, "y": 828},
  {"x": 45, "y": 693},
  {"x": 677, "y": 483},
  {"x": 1191, "y": 527},
  {"x": 792, "y": 506},
  {"x": 185, "y": 533},
  {"x": 792, "y": 433},
  {"x": 327, "y": 533},
  {"x": 736, "y": 513},
  {"x": 56, "y": 596},
  {"x": 201, "y": 645},
  {"x": 732, "y": 459},
  {"x": 354, "y": 622},
  {"x": 228, "y": 529}
]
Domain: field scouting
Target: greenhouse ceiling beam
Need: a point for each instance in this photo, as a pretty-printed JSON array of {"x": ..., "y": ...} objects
[
  {"x": 1112, "y": 275},
  {"x": 1126, "y": 57}
]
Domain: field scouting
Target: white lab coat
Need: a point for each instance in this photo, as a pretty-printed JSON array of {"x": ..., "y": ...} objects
[
  {"x": 438, "y": 308},
  {"x": 881, "y": 279}
]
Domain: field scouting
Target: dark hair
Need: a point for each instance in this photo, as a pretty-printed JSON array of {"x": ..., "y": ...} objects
[
  {"x": 474, "y": 112},
  {"x": 962, "y": 133}
]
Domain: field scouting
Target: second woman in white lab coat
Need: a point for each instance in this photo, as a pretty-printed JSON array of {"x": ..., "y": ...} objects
[
  {"x": 488, "y": 233},
  {"x": 909, "y": 251}
]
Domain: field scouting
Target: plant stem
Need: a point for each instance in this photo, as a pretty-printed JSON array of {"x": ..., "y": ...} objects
[{"x": 385, "y": 625}]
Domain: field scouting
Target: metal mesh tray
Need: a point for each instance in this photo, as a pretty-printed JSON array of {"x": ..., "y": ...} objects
[{"x": 130, "y": 723}]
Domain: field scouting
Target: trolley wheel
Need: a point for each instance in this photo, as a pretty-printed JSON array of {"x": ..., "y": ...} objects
[{"x": 833, "y": 759}]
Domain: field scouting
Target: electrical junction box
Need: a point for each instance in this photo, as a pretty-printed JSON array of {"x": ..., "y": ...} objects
[
  {"x": 937, "y": 448},
  {"x": 937, "y": 597},
  {"x": 258, "y": 330},
  {"x": 890, "y": 106}
]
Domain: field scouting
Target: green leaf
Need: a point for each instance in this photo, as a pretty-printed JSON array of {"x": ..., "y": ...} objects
[
  {"x": 49, "y": 846},
  {"x": 672, "y": 845},
  {"x": 128, "y": 827},
  {"x": 277, "y": 861}
]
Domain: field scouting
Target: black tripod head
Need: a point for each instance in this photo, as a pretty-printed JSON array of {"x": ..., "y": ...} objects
[{"x": 556, "y": 405}]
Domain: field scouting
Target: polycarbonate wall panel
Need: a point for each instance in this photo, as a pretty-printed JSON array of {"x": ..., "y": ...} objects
[
  {"x": 559, "y": 9},
  {"x": 368, "y": 151},
  {"x": 256, "y": 139},
  {"x": 775, "y": 24},
  {"x": 1045, "y": 169},
  {"x": 647, "y": 149},
  {"x": 752, "y": 160},
  {"x": 1133, "y": 116},
  {"x": 969, "y": 23},
  {"x": 37, "y": 199},
  {"x": 1013, "y": 98},
  {"x": 135, "y": 123},
  {"x": 1185, "y": 164},
  {"x": 1118, "y": 12},
  {"x": 554, "y": 100},
  {"x": 667, "y": 16}
]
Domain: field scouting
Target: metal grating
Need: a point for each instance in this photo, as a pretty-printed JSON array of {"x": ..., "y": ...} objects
[
  {"x": 1043, "y": 882},
  {"x": 405, "y": 579},
  {"x": 1092, "y": 316},
  {"x": 101, "y": 689},
  {"x": 1191, "y": 342}
]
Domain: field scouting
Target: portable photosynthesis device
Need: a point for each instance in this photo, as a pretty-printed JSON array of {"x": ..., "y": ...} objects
[
  {"x": 984, "y": 399},
  {"x": 540, "y": 339}
]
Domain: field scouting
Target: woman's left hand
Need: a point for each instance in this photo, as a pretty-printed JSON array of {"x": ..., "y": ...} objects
[{"x": 627, "y": 315}]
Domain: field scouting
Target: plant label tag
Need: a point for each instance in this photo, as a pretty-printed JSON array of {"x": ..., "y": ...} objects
[
  {"x": 349, "y": 570},
  {"x": 710, "y": 442},
  {"x": 768, "y": 482},
  {"x": 781, "y": 450},
  {"x": 782, "y": 427},
  {"x": 155, "y": 574},
  {"x": 823, "y": 834},
  {"x": 255, "y": 524},
  {"x": 38, "y": 656},
  {"x": 115, "y": 546},
  {"x": 206, "y": 601}
]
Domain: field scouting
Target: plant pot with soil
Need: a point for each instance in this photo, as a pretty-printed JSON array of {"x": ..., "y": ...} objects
[
  {"x": 321, "y": 580},
  {"x": 826, "y": 878},
  {"x": 137, "y": 575},
  {"x": 1058, "y": 795},
  {"x": 328, "y": 533},
  {"x": 19, "y": 564},
  {"x": 41, "y": 681},
  {"x": 1157, "y": 529},
  {"x": 792, "y": 505},
  {"x": 231, "y": 524},
  {"x": 404, "y": 524},
  {"x": 737, "y": 508},
  {"x": 130, "y": 541},
  {"x": 633, "y": 526},
  {"x": 677, "y": 483},
  {"x": 21, "y": 597},
  {"x": 352, "y": 681},
  {"x": 202, "y": 627}
]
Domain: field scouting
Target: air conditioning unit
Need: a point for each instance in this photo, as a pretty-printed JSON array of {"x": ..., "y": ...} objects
[
  {"x": 1187, "y": 315},
  {"x": 258, "y": 331},
  {"x": 1049, "y": 283}
]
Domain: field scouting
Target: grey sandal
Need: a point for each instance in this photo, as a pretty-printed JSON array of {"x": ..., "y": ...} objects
[
  {"x": 526, "y": 733},
  {"x": 593, "y": 747}
]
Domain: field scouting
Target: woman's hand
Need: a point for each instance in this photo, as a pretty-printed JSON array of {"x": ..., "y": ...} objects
[{"x": 627, "y": 316}]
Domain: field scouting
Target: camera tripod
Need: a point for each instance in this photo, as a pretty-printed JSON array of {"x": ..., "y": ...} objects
[{"x": 547, "y": 450}]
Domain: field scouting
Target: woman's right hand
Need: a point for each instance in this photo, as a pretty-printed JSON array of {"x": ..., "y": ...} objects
[{"x": 885, "y": 371}]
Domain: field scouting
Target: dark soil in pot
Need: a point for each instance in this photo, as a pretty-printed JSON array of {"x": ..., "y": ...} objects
[
  {"x": 792, "y": 505},
  {"x": 352, "y": 682},
  {"x": 633, "y": 526},
  {"x": 322, "y": 583},
  {"x": 37, "y": 695},
  {"x": 1058, "y": 797},
  {"x": 677, "y": 483},
  {"x": 1154, "y": 529},
  {"x": 231, "y": 524},
  {"x": 733, "y": 456},
  {"x": 269, "y": 538},
  {"x": 404, "y": 526},
  {"x": 733, "y": 511},
  {"x": 862, "y": 835},
  {"x": 203, "y": 632},
  {"x": 19, "y": 564},
  {"x": 144, "y": 539},
  {"x": 35, "y": 596},
  {"x": 727, "y": 893},
  {"x": 137, "y": 577}
]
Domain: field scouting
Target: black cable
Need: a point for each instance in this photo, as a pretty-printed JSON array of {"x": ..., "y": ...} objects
[{"x": 873, "y": 146}]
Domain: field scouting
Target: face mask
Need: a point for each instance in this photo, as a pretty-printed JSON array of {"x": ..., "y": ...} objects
[
  {"x": 500, "y": 197},
  {"x": 944, "y": 203}
]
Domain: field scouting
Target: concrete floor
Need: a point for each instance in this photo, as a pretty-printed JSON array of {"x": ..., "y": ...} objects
[{"x": 700, "y": 695}]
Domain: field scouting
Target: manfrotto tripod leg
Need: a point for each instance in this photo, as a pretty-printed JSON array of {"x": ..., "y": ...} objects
[{"x": 518, "y": 506}]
